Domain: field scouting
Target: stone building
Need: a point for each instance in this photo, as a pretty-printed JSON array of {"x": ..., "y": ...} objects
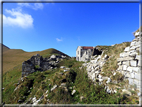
[{"x": 83, "y": 53}]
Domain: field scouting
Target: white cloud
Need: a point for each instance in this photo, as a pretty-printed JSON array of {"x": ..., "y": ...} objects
[
  {"x": 35, "y": 6},
  {"x": 59, "y": 40},
  {"x": 17, "y": 18}
]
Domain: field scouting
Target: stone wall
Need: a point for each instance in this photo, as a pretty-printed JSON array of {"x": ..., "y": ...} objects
[
  {"x": 128, "y": 66},
  {"x": 129, "y": 62},
  {"x": 38, "y": 63}
]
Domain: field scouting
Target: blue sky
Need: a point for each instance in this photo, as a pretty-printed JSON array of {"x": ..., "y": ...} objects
[{"x": 65, "y": 26}]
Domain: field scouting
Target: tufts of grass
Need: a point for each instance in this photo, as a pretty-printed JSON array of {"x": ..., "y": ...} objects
[
  {"x": 37, "y": 83},
  {"x": 113, "y": 52}
]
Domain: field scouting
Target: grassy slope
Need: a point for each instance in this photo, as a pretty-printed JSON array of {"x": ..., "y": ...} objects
[
  {"x": 14, "y": 57},
  {"x": 5, "y": 48},
  {"x": 39, "y": 83},
  {"x": 12, "y": 66}
]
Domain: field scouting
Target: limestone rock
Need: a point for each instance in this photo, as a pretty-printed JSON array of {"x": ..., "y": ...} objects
[
  {"x": 73, "y": 92},
  {"x": 127, "y": 49},
  {"x": 136, "y": 69},
  {"x": 133, "y": 43},
  {"x": 62, "y": 67},
  {"x": 137, "y": 57},
  {"x": 125, "y": 59},
  {"x": 133, "y": 54},
  {"x": 100, "y": 80},
  {"x": 55, "y": 86},
  {"x": 124, "y": 67},
  {"x": 126, "y": 91},
  {"x": 137, "y": 76},
  {"x": 129, "y": 69},
  {"x": 133, "y": 63},
  {"x": 108, "y": 80},
  {"x": 52, "y": 57},
  {"x": 81, "y": 98},
  {"x": 133, "y": 75},
  {"x": 126, "y": 63}
]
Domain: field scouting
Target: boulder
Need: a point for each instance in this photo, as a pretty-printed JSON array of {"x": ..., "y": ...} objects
[
  {"x": 134, "y": 47},
  {"x": 124, "y": 67},
  {"x": 133, "y": 43},
  {"x": 73, "y": 92},
  {"x": 126, "y": 91},
  {"x": 62, "y": 67},
  {"x": 126, "y": 63},
  {"x": 132, "y": 75},
  {"x": 136, "y": 69},
  {"x": 108, "y": 80},
  {"x": 133, "y": 63},
  {"x": 81, "y": 98},
  {"x": 137, "y": 76},
  {"x": 127, "y": 75},
  {"x": 127, "y": 49},
  {"x": 52, "y": 56},
  {"x": 62, "y": 85},
  {"x": 106, "y": 57},
  {"x": 125, "y": 59},
  {"x": 137, "y": 57},
  {"x": 114, "y": 91},
  {"x": 130, "y": 69},
  {"x": 55, "y": 86},
  {"x": 133, "y": 54},
  {"x": 114, "y": 73},
  {"x": 100, "y": 76},
  {"x": 100, "y": 80},
  {"x": 108, "y": 90}
]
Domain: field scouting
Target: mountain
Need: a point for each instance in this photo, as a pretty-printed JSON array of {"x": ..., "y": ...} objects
[
  {"x": 14, "y": 57},
  {"x": 105, "y": 79},
  {"x": 5, "y": 48}
]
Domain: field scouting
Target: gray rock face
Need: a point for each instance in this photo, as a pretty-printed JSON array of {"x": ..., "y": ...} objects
[{"x": 38, "y": 63}]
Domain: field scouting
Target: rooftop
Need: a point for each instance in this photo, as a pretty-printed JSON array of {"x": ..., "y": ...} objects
[{"x": 84, "y": 47}]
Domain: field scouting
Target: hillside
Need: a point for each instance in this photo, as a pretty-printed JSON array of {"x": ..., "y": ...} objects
[
  {"x": 5, "y": 48},
  {"x": 112, "y": 77},
  {"x": 14, "y": 57},
  {"x": 67, "y": 84}
]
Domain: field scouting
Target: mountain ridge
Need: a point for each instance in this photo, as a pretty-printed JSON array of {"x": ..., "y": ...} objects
[{"x": 17, "y": 56}]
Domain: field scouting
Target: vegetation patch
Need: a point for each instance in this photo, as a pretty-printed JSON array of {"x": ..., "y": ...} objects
[{"x": 76, "y": 78}]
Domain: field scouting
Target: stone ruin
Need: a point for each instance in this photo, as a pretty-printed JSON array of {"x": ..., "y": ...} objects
[
  {"x": 128, "y": 65},
  {"x": 129, "y": 62},
  {"x": 38, "y": 63}
]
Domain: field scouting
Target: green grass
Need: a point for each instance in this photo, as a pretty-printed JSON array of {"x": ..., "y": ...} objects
[
  {"x": 113, "y": 52},
  {"x": 38, "y": 83},
  {"x": 14, "y": 57}
]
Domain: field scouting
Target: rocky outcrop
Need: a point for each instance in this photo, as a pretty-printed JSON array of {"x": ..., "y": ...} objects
[
  {"x": 94, "y": 67},
  {"x": 129, "y": 62},
  {"x": 128, "y": 66},
  {"x": 38, "y": 63}
]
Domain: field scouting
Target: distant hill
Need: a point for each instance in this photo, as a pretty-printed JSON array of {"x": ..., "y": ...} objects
[
  {"x": 5, "y": 48},
  {"x": 14, "y": 57}
]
